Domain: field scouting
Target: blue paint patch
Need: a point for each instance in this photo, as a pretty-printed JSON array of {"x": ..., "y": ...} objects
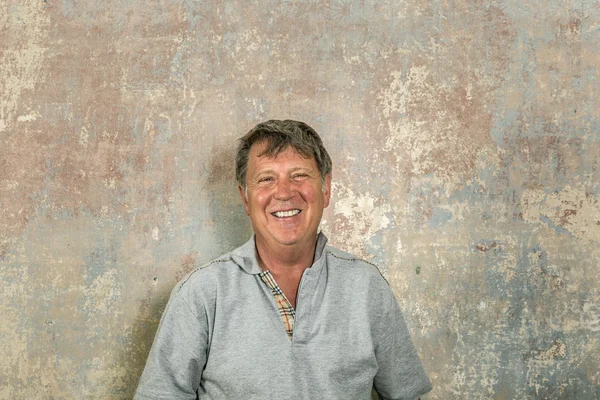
[
  {"x": 68, "y": 8},
  {"x": 103, "y": 258},
  {"x": 557, "y": 228},
  {"x": 164, "y": 131},
  {"x": 501, "y": 126},
  {"x": 193, "y": 14},
  {"x": 376, "y": 248},
  {"x": 440, "y": 217}
]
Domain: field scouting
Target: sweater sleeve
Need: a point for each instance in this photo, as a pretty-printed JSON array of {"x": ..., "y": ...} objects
[
  {"x": 400, "y": 373},
  {"x": 178, "y": 355}
]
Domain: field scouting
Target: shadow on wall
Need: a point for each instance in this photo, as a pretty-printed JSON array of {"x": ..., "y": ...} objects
[
  {"x": 140, "y": 340},
  {"x": 225, "y": 228},
  {"x": 230, "y": 225}
]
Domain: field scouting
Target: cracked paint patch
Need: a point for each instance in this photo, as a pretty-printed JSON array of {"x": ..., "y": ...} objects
[{"x": 569, "y": 210}]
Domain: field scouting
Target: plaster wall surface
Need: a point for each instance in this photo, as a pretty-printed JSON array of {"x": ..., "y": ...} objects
[{"x": 466, "y": 144}]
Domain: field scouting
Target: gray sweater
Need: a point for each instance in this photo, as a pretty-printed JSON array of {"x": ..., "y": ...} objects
[{"x": 221, "y": 336}]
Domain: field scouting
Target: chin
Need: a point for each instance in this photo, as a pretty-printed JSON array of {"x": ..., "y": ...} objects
[
  {"x": 292, "y": 239},
  {"x": 287, "y": 241}
]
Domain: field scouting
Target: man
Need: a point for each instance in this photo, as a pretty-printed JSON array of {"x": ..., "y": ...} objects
[{"x": 284, "y": 316}]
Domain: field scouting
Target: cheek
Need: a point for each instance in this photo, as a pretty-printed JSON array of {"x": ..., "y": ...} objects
[
  {"x": 259, "y": 199},
  {"x": 314, "y": 193}
]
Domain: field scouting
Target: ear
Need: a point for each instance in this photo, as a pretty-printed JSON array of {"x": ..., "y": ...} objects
[
  {"x": 244, "y": 199},
  {"x": 327, "y": 191}
]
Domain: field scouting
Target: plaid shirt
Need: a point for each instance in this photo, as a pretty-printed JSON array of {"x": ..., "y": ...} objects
[{"x": 285, "y": 308}]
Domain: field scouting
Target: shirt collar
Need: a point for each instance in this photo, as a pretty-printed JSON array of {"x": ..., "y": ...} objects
[{"x": 245, "y": 255}]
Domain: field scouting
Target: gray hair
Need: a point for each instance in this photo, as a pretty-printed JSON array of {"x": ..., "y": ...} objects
[{"x": 278, "y": 136}]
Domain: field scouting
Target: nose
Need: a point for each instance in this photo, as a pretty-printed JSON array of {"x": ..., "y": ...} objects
[{"x": 283, "y": 189}]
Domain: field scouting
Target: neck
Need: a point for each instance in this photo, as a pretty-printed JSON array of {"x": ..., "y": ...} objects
[{"x": 285, "y": 258}]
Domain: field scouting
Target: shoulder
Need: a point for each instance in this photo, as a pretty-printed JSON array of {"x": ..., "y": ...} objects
[
  {"x": 353, "y": 264},
  {"x": 207, "y": 272},
  {"x": 360, "y": 282},
  {"x": 201, "y": 286},
  {"x": 240, "y": 261}
]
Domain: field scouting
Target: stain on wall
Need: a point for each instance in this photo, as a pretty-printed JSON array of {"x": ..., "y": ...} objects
[{"x": 466, "y": 144}]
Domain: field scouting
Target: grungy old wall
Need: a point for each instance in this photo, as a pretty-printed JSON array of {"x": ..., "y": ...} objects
[{"x": 466, "y": 147}]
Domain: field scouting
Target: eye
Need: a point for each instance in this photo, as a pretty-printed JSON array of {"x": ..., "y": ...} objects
[
  {"x": 299, "y": 175},
  {"x": 265, "y": 179}
]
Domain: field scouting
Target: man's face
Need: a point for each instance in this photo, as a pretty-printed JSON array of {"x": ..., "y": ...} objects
[{"x": 285, "y": 198}]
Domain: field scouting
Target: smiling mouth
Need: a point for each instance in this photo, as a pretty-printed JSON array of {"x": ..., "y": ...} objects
[{"x": 285, "y": 214}]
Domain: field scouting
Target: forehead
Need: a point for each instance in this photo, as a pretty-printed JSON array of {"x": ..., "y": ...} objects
[{"x": 287, "y": 156}]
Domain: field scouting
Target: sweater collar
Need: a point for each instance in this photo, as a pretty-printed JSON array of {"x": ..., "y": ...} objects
[{"x": 245, "y": 255}]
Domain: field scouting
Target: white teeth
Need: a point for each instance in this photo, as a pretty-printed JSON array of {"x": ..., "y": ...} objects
[{"x": 283, "y": 214}]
